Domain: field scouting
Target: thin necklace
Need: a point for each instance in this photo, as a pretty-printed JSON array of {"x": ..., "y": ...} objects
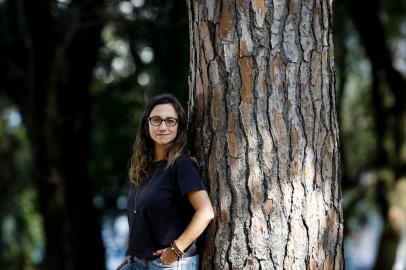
[{"x": 145, "y": 188}]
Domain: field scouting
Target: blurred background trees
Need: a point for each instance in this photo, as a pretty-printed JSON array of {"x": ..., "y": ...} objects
[
  {"x": 370, "y": 61},
  {"x": 75, "y": 76}
]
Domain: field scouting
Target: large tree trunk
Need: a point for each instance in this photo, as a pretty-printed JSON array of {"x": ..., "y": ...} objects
[
  {"x": 263, "y": 121},
  {"x": 47, "y": 71}
]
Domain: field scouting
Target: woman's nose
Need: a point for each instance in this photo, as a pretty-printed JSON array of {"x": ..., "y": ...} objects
[{"x": 162, "y": 125}]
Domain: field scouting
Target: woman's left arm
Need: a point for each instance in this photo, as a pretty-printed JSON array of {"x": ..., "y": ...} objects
[{"x": 204, "y": 214}]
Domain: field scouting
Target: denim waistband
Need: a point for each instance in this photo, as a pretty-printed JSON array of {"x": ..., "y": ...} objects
[{"x": 148, "y": 262}]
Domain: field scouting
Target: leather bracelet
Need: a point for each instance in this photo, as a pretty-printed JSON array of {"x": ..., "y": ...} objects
[
  {"x": 175, "y": 248},
  {"x": 175, "y": 251}
]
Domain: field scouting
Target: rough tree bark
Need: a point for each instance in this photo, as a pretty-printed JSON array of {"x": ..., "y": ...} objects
[{"x": 264, "y": 127}]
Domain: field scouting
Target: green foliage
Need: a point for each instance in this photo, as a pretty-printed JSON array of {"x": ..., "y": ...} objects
[
  {"x": 22, "y": 232},
  {"x": 369, "y": 177},
  {"x": 357, "y": 129},
  {"x": 393, "y": 15},
  {"x": 357, "y": 126},
  {"x": 21, "y": 227},
  {"x": 354, "y": 78}
]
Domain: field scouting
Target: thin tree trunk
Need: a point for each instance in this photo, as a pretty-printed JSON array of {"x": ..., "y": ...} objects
[
  {"x": 263, "y": 121},
  {"x": 380, "y": 117}
]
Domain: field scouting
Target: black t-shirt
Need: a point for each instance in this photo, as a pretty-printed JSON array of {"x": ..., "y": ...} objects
[{"x": 163, "y": 209}]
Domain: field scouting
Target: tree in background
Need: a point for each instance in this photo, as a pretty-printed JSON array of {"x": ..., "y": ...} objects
[
  {"x": 264, "y": 126},
  {"x": 372, "y": 112},
  {"x": 17, "y": 194},
  {"x": 48, "y": 51}
]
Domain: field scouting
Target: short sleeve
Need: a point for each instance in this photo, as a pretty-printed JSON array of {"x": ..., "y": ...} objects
[{"x": 187, "y": 175}]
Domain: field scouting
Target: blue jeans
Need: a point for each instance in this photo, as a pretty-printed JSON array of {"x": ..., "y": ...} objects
[{"x": 188, "y": 263}]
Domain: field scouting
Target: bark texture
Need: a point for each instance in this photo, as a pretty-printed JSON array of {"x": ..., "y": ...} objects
[{"x": 264, "y": 127}]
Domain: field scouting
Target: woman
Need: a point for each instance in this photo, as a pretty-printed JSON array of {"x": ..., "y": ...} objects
[{"x": 168, "y": 206}]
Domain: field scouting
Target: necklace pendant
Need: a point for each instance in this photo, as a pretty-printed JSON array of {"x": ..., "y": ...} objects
[{"x": 135, "y": 211}]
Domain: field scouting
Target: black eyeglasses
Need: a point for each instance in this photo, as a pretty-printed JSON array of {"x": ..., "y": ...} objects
[{"x": 157, "y": 121}]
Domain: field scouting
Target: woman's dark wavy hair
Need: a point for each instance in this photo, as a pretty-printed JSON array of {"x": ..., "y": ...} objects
[{"x": 143, "y": 149}]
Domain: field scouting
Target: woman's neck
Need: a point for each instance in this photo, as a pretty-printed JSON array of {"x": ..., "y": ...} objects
[{"x": 160, "y": 152}]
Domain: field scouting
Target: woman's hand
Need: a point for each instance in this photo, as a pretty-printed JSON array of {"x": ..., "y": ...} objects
[
  {"x": 166, "y": 255},
  {"x": 124, "y": 262}
]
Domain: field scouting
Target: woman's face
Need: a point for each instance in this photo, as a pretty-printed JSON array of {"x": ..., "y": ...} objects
[{"x": 163, "y": 132}]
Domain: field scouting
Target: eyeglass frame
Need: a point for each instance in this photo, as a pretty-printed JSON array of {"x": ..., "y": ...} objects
[{"x": 163, "y": 120}]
